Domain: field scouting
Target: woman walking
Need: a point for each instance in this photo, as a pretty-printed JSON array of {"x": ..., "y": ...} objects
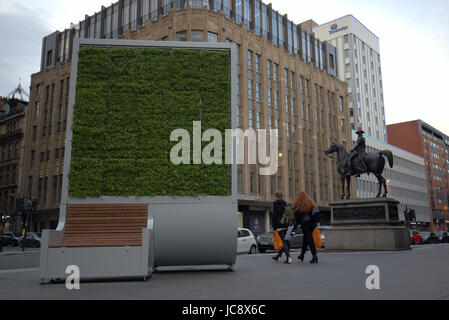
[
  {"x": 303, "y": 207},
  {"x": 278, "y": 210}
]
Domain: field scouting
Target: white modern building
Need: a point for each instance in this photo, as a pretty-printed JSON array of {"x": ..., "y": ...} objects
[
  {"x": 406, "y": 181},
  {"x": 358, "y": 63}
]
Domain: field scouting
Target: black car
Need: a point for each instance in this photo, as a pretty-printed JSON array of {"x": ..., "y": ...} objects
[
  {"x": 265, "y": 241},
  {"x": 445, "y": 238},
  {"x": 32, "y": 239},
  {"x": 11, "y": 239},
  {"x": 432, "y": 239}
]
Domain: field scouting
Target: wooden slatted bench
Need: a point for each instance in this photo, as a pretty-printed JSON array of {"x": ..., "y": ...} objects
[{"x": 104, "y": 226}]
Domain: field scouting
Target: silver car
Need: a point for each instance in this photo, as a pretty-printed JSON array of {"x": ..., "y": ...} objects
[{"x": 294, "y": 240}]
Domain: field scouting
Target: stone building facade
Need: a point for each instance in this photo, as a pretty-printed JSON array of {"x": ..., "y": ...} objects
[
  {"x": 12, "y": 128},
  {"x": 286, "y": 81}
]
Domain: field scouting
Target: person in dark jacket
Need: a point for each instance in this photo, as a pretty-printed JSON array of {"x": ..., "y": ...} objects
[
  {"x": 303, "y": 207},
  {"x": 276, "y": 216}
]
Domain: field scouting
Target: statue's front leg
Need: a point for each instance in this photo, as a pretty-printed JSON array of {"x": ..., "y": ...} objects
[
  {"x": 342, "y": 187},
  {"x": 348, "y": 182}
]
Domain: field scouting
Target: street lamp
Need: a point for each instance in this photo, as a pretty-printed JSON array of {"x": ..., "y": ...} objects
[{"x": 4, "y": 219}]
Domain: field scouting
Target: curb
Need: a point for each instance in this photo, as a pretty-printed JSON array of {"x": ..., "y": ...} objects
[{"x": 18, "y": 253}]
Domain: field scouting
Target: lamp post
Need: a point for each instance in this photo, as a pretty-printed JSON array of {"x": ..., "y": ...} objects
[
  {"x": 25, "y": 207},
  {"x": 4, "y": 218}
]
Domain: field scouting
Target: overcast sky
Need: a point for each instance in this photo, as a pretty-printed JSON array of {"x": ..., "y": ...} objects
[{"x": 413, "y": 43}]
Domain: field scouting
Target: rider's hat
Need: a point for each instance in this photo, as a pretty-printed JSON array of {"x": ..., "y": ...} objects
[{"x": 360, "y": 131}]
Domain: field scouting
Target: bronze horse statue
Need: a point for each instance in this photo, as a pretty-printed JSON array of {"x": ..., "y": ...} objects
[{"x": 374, "y": 163}]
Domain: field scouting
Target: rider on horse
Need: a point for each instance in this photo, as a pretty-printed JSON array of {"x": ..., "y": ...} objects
[{"x": 357, "y": 154}]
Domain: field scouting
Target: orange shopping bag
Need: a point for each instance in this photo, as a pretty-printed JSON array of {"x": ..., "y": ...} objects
[
  {"x": 277, "y": 241},
  {"x": 317, "y": 238}
]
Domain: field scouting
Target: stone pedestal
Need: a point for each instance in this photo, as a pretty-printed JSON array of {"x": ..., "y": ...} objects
[{"x": 366, "y": 225}]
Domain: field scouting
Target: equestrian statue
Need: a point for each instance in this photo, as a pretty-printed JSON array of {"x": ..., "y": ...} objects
[{"x": 358, "y": 162}]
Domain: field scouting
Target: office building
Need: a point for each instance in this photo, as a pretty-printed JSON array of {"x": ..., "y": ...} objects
[
  {"x": 422, "y": 139},
  {"x": 406, "y": 181},
  {"x": 358, "y": 63}
]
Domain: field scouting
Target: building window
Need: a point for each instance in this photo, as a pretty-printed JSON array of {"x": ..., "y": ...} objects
[
  {"x": 250, "y": 89},
  {"x": 276, "y": 99},
  {"x": 49, "y": 57},
  {"x": 238, "y": 11},
  {"x": 269, "y": 97},
  {"x": 250, "y": 118},
  {"x": 250, "y": 60},
  {"x": 269, "y": 69},
  {"x": 197, "y": 36},
  {"x": 212, "y": 37},
  {"x": 275, "y": 72},
  {"x": 257, "y": 63},
  {"x": 274, "y": 25},
  {"x": 181, "y": 36},
  {"x": 258, "y": 92}
]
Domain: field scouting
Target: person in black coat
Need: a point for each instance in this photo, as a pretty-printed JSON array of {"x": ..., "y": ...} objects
[
  {"x": 276, "y": 216},
  {"x": 303, "y": 207}
]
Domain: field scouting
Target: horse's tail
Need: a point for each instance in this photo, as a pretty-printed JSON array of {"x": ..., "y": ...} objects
[{"x": 389, "y": 155}]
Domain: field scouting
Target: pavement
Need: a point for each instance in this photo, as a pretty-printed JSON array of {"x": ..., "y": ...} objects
[
  {"x": 421, "y": 273},
  {"x": 8, "y": 251}
]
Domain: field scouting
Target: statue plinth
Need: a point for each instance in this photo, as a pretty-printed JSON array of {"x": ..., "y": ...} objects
[{"x": 366, "y": 225}]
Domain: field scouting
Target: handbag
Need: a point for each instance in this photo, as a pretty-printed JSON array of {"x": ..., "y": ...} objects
[
  {"x": 288, "y": 219},
  {"x": 317, "y": 239},
  {"x": 277, "y": 241}
]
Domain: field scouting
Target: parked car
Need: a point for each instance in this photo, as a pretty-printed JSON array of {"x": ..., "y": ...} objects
[
  {"x": 433, "y": 238},
  {"x": 440, "y": 234},
  {"x": 415, "y": 237},
  {"x": 32, "y": 239},
  {"x": 445, "y": 238},
  {"x": 425, "y": 237},
  {"x": 294, "y": 241},
  {"x": 246, "y": 242},
  {"x": 11, "y": 239}
]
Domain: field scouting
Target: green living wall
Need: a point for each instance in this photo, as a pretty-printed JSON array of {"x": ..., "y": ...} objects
[{"x": 128, "y": 102}]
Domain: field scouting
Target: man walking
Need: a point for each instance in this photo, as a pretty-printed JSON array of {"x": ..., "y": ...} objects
[{"x": 278, "y": 210}]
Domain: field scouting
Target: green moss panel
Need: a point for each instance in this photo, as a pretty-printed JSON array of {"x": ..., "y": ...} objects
[{"x": 128, "y": 102}]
